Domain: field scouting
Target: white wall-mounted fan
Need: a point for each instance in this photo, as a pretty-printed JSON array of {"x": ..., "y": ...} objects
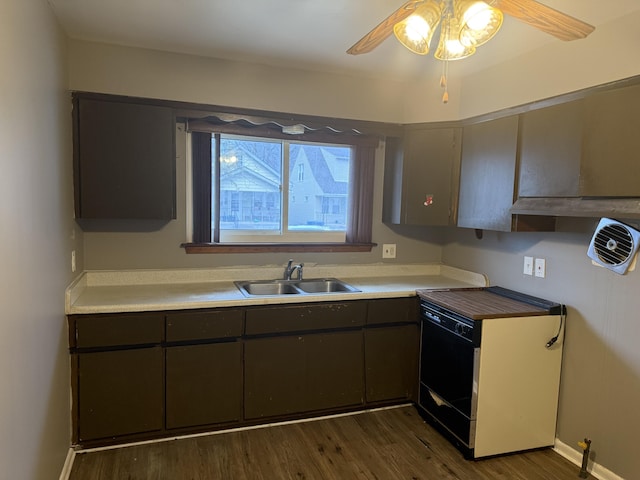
[{"x": 614, "y": 246}]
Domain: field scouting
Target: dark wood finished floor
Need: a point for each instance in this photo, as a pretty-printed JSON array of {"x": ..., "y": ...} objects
[{"x": 385, "y": 445}]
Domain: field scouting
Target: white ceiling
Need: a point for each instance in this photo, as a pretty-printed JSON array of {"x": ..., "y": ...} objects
[{"x": 306, "y": 34}]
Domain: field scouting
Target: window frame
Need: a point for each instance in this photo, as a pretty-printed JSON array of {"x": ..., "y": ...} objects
[{"x": 359, "y": 219}]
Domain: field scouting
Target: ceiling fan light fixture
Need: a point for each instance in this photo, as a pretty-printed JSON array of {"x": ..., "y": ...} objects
[
  {"x": 479, "y": 22},
  {"x": 450, "y": 47},
  {"x": 415, "y": 31}
]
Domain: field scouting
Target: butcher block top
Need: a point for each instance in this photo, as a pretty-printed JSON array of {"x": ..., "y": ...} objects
[{"x": 490, "y": 302}]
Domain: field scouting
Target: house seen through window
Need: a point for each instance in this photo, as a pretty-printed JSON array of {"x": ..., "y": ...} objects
[{"x": 275, "y": 190}]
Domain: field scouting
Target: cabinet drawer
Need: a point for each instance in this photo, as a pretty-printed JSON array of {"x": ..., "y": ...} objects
[
  {"x": 393, "y": 310},
  {"x": 203, "y": 325},
  {"x": 298, "y": 318},
  {"x": 118, "y": 329}
]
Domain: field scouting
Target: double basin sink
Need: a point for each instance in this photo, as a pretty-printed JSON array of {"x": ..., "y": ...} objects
[{"x": 312, "y": 286}]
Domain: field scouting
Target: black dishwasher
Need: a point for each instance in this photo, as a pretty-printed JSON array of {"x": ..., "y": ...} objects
[{"x": 451, "y": 331}]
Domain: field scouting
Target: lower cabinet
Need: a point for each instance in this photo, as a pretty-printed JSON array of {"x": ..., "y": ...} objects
[
  {"x": 203, "y": 384},
  {"x": 120, "y": 393},
  {"x": 391, "y": 359},
  {"x": 295, "y": 374},
  {"x": 145, "y": 375}
]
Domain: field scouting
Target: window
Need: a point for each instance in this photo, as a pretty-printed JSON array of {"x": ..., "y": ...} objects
[
  {"x": 254, "y": 206},
  {"x": 255, "y": 190}
]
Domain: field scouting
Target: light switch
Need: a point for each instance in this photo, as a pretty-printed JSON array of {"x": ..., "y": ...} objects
[
  {"x": 541, "y": 266},
  {"x": 528, "y": 266}
]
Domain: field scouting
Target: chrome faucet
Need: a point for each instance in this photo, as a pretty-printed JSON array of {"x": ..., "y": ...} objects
[{"x": 290, "y": 269}]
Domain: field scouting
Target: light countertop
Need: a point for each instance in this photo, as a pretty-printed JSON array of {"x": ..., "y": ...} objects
[{"x": 153, "y": 290}]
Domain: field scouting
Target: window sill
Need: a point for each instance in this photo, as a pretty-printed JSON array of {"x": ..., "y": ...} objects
[{"x": 276, "y": 247}]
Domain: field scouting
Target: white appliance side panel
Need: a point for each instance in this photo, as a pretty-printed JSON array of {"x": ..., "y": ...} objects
[{"x": 518, "y": 384}]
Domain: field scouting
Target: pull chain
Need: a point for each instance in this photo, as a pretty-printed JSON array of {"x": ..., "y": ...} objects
[{"x": 446, "y": 32}]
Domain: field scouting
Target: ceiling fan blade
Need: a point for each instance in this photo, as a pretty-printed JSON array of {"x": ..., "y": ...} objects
[
  {"x": 547, "y": 19},
  {"x": 376, "y": 36}
]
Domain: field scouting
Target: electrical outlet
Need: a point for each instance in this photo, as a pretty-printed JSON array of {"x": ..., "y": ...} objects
[
  {"x": 389, "y": 250},
  {"x": 528, "y": 266},
  {"x": 541, "y": 267}
]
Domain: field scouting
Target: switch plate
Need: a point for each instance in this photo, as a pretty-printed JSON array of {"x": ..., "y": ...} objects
[
  {"x": 389, "y": 250},
  {"x": 541, "y": 267},
  {"x": 528, "y": 266}
]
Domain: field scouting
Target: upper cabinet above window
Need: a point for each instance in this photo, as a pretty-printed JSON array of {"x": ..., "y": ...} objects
[{"x": 124, "y": 159}]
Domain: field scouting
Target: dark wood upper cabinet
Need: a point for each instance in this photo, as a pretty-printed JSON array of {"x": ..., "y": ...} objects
[
  {"x": 611, "y": 142},
  {"x": 551, "y": 151},
  {"x": 421, "y": 172},
  {"x": 487, "y": 174},
  {"x": 583, "y": 148},
  {"x": 124, "y": 159}
]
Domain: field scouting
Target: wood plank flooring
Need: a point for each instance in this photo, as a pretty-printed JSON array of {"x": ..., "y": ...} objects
[{"x": 385, "y": 445}]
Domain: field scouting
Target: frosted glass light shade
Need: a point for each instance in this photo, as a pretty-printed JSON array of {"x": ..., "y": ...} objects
[
  {"x": 415, "y": 31},
  {"x": 449, "y": 46},
  {"x": 479, "y": 22}
]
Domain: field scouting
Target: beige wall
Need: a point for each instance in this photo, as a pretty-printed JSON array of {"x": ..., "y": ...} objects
[
  {"x": 161, "y": 249},
  {"x": 37, "y": 231},
  {"x": 601, "y": 369},
  {"x": 600, "y": 387},
  {"x": 610, "y": 53}
]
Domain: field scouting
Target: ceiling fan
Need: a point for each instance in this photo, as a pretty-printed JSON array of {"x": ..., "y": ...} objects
[
  {"x": 531, "y": 12},
  {"x": 464, "y": 26}
]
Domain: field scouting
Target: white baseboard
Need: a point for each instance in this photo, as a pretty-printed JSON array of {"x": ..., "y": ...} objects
[
  {"x": 68, "y": 464},
  {"x": 575, "y": 456}
]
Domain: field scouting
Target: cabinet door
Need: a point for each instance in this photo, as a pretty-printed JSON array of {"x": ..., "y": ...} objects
[
  {"x": 295, "y": 374},
  {"x": 204, "y": 384},
  {"x": 487, "y": 174},
  {"x": 610, "y": 164},
  {"x": 120, "y": 393},
  {"x": 391, "y": 363},
  {"x": 124, "y": 160},
  {"x": 551, "y": 151},
  {"x": 420, "y": 176}
]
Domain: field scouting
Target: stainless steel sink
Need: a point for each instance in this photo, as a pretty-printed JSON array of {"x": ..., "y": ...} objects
[
  {"x": 268, "y": 288},
  {"x": 325, "y": 285},
  {"x": 312, "y": 286}
]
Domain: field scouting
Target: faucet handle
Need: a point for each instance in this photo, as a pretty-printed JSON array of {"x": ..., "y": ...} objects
[{"x": 288, "y": 270}]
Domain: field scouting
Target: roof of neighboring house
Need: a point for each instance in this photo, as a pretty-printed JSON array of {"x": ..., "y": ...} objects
[
  {"x": 329, "y": 165},
  {"x": 248, "y": 173}
]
